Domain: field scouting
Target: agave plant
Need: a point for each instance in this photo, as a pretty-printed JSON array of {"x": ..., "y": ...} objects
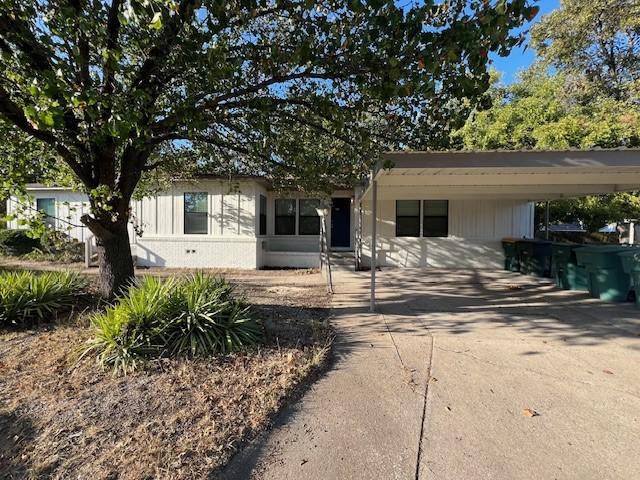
[{"x": 28, "y": 297}]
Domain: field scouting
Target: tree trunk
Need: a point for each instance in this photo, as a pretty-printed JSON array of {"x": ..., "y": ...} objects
[{"x": 115, "y": 264}]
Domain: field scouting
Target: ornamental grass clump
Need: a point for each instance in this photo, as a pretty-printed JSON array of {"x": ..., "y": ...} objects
[
  {"x": 169, "y": 318},
  {"x": 28, "y": 298}
]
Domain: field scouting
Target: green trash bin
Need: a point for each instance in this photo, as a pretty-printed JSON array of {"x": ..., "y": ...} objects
[
  {"x": 565, "y": 270},
  {"x": 631, "y": 265},
  {"x": 534, "y": 257},
  {"x": 511, "y": 262},
  {"x": 607, "y": 279}
]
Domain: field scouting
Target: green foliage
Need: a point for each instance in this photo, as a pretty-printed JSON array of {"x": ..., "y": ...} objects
[
  {"x": 27, "y": 298},
  {"x": 17, "y": 242},
  {"x": 155, "y": 318},
  {"x": 541, "y": 111},
  {"x": 56, "y": 246},
  {"x": 595, "y": 42}
]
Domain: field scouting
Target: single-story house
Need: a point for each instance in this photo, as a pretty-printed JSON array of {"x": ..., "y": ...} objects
[{"x": 432, "y": 209}]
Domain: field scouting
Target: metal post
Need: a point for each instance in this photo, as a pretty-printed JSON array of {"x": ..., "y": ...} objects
[
  {"x": 374, "y": 215},
  {"x": 87, "y": 252},
  {"x": 546, "y": 220}
]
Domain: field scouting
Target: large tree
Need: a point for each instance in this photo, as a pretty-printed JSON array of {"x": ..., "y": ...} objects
[
  {"x": 595, "y": 41},
  {"x": 296, "y": 89},
  {"x": 582, "y": 92}
]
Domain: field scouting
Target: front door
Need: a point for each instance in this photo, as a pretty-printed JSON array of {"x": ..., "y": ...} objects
[{"x": 341, "y": 223}]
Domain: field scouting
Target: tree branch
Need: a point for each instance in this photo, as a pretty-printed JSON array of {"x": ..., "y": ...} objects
[{"x": 12, "y": 112}]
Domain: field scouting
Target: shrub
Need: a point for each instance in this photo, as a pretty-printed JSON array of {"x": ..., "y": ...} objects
[
  {"x": 17, "y": 242},
  {"x": 27, "y": 298},
  {"x": 156, "y": 318},
  {"x": 57, "y": 246}
]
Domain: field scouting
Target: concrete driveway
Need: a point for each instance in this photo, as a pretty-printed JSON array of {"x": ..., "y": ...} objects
[{"x": 465, "y": 375}]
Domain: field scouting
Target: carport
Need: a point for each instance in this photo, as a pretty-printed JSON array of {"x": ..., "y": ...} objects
[{"x": 494, "y": 178}]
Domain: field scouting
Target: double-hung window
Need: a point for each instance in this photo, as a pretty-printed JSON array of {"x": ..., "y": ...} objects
[
  {"x": 309, "y": 220},
  {"x": 285, "y": 217},
  {"x": 435, "y": 221},
  {"x": 196, "y": 213},
  {"x": 434, "y": 214},
  {"x": 407, "y": 218}
]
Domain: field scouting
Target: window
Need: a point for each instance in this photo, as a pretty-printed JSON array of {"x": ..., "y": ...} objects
[
  {"x": 436, "y": 218},
  {"x": 47, "y": 206},
  {"x": 285, "y": 223},
  {"x": 309, "y": 220},
  {"x": 195, "y": 213},
  {"x": 262, "y": 216},
  {"x": 407, "y": 218}
]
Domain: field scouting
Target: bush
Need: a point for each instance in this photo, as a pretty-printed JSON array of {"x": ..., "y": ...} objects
[
  {"x": 17, "y": 242},
  {"x": 27, "y": 298},
  {"x": 156, "y": 318},
  {"x": 57, "y": 246}
]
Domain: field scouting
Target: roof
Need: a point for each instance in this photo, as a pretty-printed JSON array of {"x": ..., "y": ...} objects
[{"x": 530, "y": 175}]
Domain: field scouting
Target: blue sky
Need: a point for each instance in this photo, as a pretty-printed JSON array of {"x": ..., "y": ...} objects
[{"x": 520, "y": 59}]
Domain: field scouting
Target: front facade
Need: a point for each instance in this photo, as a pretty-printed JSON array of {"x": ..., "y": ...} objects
[{"x": 444, "y": 210}]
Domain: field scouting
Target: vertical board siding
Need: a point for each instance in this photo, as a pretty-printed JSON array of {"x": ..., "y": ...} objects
[{"x": 476, "y": 227}]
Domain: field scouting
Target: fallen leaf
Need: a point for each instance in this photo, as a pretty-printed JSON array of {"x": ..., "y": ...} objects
[{"x": 529, "y": 412}]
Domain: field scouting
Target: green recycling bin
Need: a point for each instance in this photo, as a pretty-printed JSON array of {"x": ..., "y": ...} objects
[
  {"x": 511, "y": 262},
  {"x": 534, "y": 257},
  {"x": 565, "y": 270},
  {"x": 607, "y": 279},
  {"x": 631, "y": 265}
]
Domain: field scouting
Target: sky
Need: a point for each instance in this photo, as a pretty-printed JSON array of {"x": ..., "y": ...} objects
[{"x": 521, "y": 58}]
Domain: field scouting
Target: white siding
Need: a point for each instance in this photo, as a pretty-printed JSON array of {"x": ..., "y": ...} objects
[
  {"x": 231, "y": 238},
  {"x": 476, "y": 228},
  {"x": 69, "y": 207}
]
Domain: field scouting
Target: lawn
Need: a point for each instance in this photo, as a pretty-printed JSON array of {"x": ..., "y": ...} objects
[{"x": 176, "y": 418}]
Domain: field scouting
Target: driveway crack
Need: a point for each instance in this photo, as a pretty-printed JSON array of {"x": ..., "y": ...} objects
[{"x": 424, "y": 409}]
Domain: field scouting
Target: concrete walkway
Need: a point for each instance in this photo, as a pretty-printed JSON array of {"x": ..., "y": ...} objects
[{"x": 440, "y": 384}]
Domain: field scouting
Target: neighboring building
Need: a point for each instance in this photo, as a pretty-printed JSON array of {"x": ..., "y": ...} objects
[{"x": 447, "y": 210}]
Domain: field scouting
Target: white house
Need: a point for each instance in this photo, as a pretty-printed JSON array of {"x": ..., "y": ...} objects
[{"x": 432, "y": 209}]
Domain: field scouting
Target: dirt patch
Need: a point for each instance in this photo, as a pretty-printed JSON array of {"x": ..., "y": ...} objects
[{"x": 178, "y": 418}]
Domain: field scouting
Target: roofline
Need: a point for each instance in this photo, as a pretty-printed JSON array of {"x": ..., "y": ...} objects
[{"x": 618, "y": 157}]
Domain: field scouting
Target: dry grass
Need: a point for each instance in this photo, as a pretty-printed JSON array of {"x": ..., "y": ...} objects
[{"x": 177, "y": 419}]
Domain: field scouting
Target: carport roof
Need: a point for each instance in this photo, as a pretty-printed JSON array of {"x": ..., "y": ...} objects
[{"x": 531, "y": 175}]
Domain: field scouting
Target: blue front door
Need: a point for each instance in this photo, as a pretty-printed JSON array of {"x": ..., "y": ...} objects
[{"x": 341, "y": 222}]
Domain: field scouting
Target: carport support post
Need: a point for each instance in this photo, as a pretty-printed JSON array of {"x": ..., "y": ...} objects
[
  {"x": 374, "y": 215},
  {"x": 546, "y": 220}
]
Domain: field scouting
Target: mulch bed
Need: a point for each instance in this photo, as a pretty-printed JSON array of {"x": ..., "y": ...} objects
[{"x": 175, "y": 419}]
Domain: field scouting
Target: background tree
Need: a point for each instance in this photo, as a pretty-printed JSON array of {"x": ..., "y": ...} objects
[
  {"x": 596, "y": 41},
  {"x": 581, "y": 93},
  {"x": 294, "y": 89}
]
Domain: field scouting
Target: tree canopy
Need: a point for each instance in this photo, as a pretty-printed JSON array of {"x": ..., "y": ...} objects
[
  {"x": 596, "y": 41},
  {"x": 582, "y": 92},
  {"x": 302, "y": 91}
]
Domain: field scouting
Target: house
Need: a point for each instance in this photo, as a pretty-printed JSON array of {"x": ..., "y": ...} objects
[{"x": 432, "y": 209}]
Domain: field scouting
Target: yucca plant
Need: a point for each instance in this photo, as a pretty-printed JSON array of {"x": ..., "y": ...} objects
[
  {"x": 208, "y": 319},
  {"x": 195, "y": 316},
  {"x": 27, "y": 297},
  {"x": 131, "y": 329}
]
